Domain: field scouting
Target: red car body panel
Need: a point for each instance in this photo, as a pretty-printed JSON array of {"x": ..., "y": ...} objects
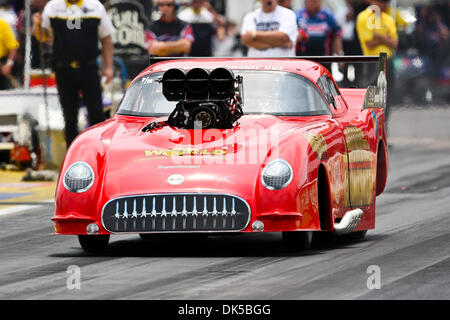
[{"x": 349, "y": 145}]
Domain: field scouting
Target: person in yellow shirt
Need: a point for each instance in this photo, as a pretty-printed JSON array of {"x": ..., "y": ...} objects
[
  {"x": 376, "y": 29},
  {"x": 377, "y": 33},
  {"x": 8, "y": 51}
]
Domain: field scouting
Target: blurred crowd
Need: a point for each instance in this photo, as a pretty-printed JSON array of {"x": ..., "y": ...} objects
[
  {"x": 199, "y": 28},
  {"x": 82, "y": 46}
]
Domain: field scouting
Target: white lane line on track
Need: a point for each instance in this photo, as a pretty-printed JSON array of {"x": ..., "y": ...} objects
[
  {"x": 19, "y": 208},
  {"x": 49, "y": 201},
  {"x": 16, "y": 209}
]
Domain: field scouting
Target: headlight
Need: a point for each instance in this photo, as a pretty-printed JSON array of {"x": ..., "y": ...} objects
[
  {"x": 277, "y": 175},
  {"x": 79, "y": 177}
]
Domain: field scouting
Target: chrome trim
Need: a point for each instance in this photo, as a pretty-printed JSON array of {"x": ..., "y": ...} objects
[
  {"x": 154, "y": 213},
  {"x": 233, "y": 209},
  {"x": 134, "y": 213},
  {"x": 125, "y": 211},
  {"x": 184, "y": 213},
  {"x": 224, "y": 210},
  {"x": 214, "y": 212},
  {"x": 163, "y": 211},
  {"x": 286, "y": 184},
  {"x": 174, "y": 210},
  {"x": 205, "y": 211},
  {"x": 81, "y": 190},
  {"x": 144, "y": 209}
]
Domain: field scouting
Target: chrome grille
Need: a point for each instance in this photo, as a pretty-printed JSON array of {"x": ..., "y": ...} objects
[{"x": 176, "y": 213}]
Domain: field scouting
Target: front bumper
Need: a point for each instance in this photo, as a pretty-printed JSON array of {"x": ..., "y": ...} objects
[{"x": 185, "y": 213}]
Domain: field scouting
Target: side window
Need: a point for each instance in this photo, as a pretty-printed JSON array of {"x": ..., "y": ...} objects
[
  {"x": 325, "y": 87},
  {"x": 338, "y": 102},
  {"x": 334, "y": 91}
]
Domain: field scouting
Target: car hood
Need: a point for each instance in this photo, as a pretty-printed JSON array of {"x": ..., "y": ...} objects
[{"x": 170, "y": 160}]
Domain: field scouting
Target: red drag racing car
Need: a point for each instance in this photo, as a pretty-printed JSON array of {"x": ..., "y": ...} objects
[{"x": 217, "y": 146}]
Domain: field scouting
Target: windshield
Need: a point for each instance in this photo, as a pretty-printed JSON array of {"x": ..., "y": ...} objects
[{"x": 265, "y": 92}]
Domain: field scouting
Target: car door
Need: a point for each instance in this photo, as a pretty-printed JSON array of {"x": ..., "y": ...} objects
[
  {"x": 360, "y": 174},
  {"x": 336, "y": 163}
]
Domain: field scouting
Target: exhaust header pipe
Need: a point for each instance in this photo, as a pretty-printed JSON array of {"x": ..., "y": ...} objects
[{"x": 199, "y": 84}]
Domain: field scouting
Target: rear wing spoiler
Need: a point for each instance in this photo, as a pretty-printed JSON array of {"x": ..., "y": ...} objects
[{"x": 375, "y": 95}]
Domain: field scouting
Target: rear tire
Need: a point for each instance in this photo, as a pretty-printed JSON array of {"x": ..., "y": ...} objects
[
  {"x": 298, "y": 240},
  {"x": 94, "y": 243}
]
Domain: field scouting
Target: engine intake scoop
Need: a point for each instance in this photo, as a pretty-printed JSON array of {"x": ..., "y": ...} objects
[{"x": 206, "y": 99}]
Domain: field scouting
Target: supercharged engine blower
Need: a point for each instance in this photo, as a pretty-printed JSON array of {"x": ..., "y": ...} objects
[{"x": 206, "y": 100}]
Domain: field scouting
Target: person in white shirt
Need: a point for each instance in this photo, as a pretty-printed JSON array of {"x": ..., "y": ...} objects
[{"x": 270, "y": 31}]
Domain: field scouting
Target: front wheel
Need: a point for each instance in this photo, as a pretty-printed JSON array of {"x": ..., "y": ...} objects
[
  {"x": 298, "y": 240},
  {"x": 94, "y": 243}
]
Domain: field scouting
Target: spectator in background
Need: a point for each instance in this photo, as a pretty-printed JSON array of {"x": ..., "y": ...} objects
[
  {"x": 204, "y": 21},
  {"x": 378, "y": 33},
  {"x": 321, "y": 35},
  {"x": 169, "y": 36},
  {"x": 270, "y": 31},
  {"x": 432, "y": 38},
  {"x": 228, "y": 44},
  {"x": 8, "y": 51},
  {"x": 220, "y": 6},
  {"x": 8, "y": 14},
  {"x": 285, "y": 3},
  {"x": 446, "y": 13},
  {"x": 346, "y": 18},
  {"x": 75, "y": 52},
  {"x": 36, "y": 6}
]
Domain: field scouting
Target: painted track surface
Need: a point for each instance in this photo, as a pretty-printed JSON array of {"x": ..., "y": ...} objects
[{"x": 410, "y": 245}]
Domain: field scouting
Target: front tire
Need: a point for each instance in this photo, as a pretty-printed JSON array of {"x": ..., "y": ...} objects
[
  {"x": 94, "y": 243},
  {"x": 298, "y": 240}
]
